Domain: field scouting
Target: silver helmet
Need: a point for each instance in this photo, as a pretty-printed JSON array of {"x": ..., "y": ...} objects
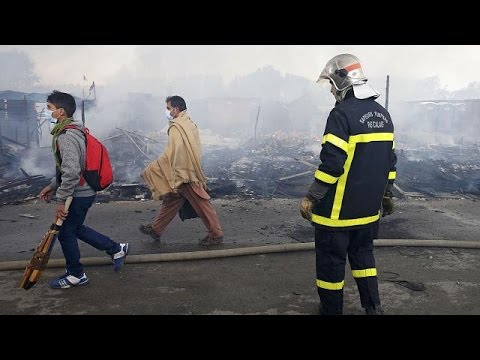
[{"x": 345, "y": 71}]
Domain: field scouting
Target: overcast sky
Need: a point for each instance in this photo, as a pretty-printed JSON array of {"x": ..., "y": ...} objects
[{"x": 455, "y": 65}]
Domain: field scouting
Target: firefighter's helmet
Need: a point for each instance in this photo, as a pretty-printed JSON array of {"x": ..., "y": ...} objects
[{"x": 344, "y": 71}]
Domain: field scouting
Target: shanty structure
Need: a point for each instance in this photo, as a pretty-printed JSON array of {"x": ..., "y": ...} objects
[
  {"x": 453, "y": 117},
  {"x": 18, "y": 123}
]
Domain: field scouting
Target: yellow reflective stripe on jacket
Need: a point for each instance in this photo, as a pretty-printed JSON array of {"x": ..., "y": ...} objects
[
  {"x": 329, "y": 285},
  {"x": 335, "y": 140},
  {"x": 365, "y": 138},
  {"x": 364, "y": 273},
  {"x": 342, "y": 181},
  {"x": 323, "y": 176},
  {"x": 392, "y": 175},
  {"x": 321, "y": 220}
]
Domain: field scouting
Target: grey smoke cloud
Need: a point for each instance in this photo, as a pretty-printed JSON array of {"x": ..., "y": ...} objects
[
  {"x": 66, "y": 64},
  {"x": 272, "y": 75}
]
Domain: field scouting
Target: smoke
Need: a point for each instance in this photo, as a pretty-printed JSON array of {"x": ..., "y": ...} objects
[
  {"x": 17, "y": 70},
  {"x": 225, "y": 86},
  {"x": 239, "y": 93},
  {"x": 38, "y": 161},
  {"x": 131, "y": 111}
]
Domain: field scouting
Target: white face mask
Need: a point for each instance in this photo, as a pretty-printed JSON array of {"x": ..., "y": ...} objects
[
  {"x": 51, "y": 120},
  {"x": 168, "y": 115},
  {"x": 48, "y": 114}
]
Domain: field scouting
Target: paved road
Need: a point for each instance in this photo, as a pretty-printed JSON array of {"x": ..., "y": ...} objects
[
  {"x": 258, "y": 284},
  {"x": 272, "y": 284}
]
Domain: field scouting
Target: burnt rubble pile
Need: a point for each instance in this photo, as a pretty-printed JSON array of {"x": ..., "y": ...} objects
[
  {"x": 440, "y": 170},
  {"x": 21, "y": 190},
  {"x": 130, "y": 152},
  {"x": 276, "y": 165},
  {"x": 16, "y": 184},
  {"x": 280, "y": 164}
]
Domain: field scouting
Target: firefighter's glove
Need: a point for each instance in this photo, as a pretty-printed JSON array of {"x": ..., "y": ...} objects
[
  {"x": 306, "y": 207},
  {"x": 387, "y": 205}
]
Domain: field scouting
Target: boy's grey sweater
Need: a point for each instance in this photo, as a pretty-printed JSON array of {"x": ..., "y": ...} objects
[{"x": 72, "y": 151}]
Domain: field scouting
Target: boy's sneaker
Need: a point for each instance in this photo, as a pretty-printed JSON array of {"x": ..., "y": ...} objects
[
  {"x": 67, "y": 281},
  {"x": 119, "y": 257}
]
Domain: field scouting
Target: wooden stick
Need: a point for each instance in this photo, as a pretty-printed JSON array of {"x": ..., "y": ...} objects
[{"x": 30, "y": 277}]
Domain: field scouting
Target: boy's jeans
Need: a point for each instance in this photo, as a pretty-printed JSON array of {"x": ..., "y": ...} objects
[{"x": 73, "y": 228}]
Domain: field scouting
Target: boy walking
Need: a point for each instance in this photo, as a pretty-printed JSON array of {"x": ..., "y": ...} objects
[{"x": 68, "y": 146}]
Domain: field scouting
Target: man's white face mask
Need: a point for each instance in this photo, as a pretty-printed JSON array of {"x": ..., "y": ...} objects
[
  {"x": 168, "y": 115},
  {"x": 51, "y": 120}
]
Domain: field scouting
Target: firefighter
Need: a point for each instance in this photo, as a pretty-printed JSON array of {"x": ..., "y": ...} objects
[{"x": 352, "y": 186}]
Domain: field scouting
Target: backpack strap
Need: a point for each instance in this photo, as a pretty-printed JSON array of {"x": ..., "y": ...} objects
[{"x": 74, "y": 127}]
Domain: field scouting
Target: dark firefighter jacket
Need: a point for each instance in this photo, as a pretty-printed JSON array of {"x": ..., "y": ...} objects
[{"x": 358, "y": 160}]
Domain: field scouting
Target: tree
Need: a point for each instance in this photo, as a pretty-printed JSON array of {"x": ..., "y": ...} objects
[{"x": 17, "y": 71}]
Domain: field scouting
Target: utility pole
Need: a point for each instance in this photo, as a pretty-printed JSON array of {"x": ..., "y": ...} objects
[
  {"x": 83, "y": 112},
  {"x": 256, "y": 123},
  {"x": 1, "y": 144},
  {"x": 387, "y": 91},
  {"x": 3, "y": 107},
  {"x": 27, "y": 120},
  {"x": 83, "y": 99}
]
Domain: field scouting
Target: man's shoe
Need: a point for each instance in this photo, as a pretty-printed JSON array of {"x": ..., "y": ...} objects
[
  {"x": 148, "y": 230},
  {"x": 119, "y": 257},
  {"x": 211, "y": 241},
  {"x": 67, "y": 281}
]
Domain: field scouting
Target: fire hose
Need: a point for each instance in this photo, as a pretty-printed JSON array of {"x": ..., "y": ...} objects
[{"x": 224, "y": 253}]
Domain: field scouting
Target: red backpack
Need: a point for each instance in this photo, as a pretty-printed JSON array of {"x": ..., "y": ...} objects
[{"x": 98, "y": 168}]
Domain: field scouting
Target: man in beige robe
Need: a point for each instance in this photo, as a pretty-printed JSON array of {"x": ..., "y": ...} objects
[{"x": 177, "y": 176}]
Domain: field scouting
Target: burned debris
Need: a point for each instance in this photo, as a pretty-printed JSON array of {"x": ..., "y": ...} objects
[
  {"x": 440, "y": 171},
  {"x": 275, "y": 165},
  {"x": 131, "y": 152},
  {"x": 20, "y": 190},
  {"x": 272, "y": 163},
  {"x": 279, "y": 164}
]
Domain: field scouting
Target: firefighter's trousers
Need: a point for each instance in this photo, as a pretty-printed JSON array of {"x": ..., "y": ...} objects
[{"x": 331, "y": 249}]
